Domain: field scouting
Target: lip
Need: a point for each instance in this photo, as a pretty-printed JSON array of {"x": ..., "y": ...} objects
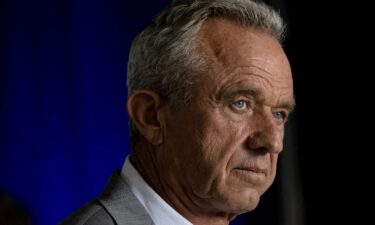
[{"x": 255, "y": 170}]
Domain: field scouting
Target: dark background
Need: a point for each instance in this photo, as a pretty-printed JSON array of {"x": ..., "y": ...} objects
[{"x": 63, "y": 124}]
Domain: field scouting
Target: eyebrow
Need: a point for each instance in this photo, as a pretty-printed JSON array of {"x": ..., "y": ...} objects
[
  {"x": 246, "y": 91},
  {"x": 258, "y": 95},
  {"x": 290, "y": 105}
]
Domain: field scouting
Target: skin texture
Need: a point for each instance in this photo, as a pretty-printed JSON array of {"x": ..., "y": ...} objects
[{"x": 212, "y": 159}]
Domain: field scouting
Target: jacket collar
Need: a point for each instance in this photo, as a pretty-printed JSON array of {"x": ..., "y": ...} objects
[{"x": 122, "y": 204}]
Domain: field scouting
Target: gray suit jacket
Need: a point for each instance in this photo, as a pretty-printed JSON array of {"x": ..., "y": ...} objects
[{"x": 117, "y": 205}]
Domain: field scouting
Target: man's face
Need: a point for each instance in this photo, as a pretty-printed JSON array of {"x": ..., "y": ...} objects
[{"x": 221, "y": 150}]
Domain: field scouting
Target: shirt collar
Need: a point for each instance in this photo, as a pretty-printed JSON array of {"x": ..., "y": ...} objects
[{"x": 160, "y": 211}]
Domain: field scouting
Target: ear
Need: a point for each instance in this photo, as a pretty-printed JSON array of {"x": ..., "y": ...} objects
[{"x": 144, "y": 109}]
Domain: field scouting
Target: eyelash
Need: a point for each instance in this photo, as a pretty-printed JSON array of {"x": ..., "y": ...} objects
[
  {"x": 239, "y": 101},
  {"x": 245, "y": 105},
  {"x": 282, "y": 113},
  {"x": 240, "y": 105}
]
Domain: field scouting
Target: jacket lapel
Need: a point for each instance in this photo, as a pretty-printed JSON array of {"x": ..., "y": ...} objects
[{"x": 122, "y": 204}]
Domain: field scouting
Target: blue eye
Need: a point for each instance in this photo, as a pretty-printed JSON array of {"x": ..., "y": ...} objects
[
  {"x": 279, "y": 115},
  {"x": 240, "y": 104}
]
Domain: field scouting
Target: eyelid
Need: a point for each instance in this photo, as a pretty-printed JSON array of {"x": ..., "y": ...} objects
[
  {"x": 284, "y": 112},
  {"x": 242, "y": 101},
  {"x": 249, "y": 104}
]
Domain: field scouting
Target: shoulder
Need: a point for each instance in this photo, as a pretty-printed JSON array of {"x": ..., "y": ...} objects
[
  {"x": 90, "y": 214},
  {"x": 115, "y": 205}
]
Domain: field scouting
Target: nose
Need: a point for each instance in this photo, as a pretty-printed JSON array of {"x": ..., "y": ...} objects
[{"x": 266, "y": 135}]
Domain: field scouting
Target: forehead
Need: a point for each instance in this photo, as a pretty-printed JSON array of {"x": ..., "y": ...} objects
[{"x": 239, "y": 56}]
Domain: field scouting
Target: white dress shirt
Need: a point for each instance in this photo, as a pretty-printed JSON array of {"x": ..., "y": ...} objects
[{"x": 160, "y": 212}]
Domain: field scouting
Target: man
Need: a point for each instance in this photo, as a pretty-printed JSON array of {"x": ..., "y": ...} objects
[{"x": 210, "y": 90}]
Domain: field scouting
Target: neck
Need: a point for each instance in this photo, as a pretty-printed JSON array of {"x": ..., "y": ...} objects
[{"x": 144, "y": 159}]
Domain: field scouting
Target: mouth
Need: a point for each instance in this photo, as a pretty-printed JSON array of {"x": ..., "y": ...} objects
[
  {"x": 253, "y": 170},
  {"x": 252, "y": 175}
]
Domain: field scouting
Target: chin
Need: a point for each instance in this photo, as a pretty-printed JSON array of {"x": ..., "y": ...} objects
[
  {"x": 250, "y": 204},
  {"x": 242, "y": 202}
]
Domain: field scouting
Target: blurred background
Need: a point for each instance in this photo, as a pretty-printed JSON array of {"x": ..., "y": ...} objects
[{"x": 63, "y": 124}]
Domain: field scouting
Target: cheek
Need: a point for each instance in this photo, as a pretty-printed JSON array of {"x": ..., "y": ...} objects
[
  {"x": 220, "y": 139},
  {"x": 219, "y": 143},
  {"x": 211, "y": 143},
  {"x": 200, "y": 146}
]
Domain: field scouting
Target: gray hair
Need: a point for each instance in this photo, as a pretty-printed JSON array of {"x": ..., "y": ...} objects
[{"x": 164, "y": 57}]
